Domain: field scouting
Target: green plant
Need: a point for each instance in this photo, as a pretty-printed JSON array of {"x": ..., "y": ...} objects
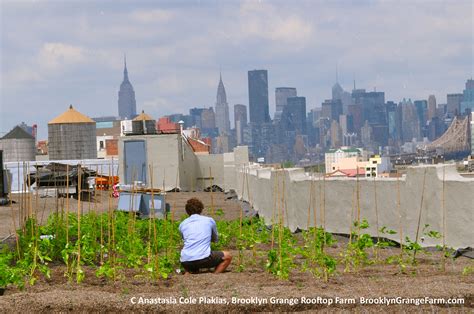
[
  {"x": 280, "y": 262},
  {"x": 355, "y": 254},
  {"x": 411, "y": 248},
  {"x": 317, "y": 261},
  {"x": 468, "y": 270},
  {"x": 10, "y": 275}
]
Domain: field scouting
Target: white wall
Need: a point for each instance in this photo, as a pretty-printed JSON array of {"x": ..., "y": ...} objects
[{"x": 333, "y": 201}]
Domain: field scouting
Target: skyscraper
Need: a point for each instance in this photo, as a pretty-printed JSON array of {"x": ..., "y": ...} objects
[
  {"x": 467, "y": 103},
  {"x": 294, "y": 115},
  {"x": 258, "y": 96},
  {"x": 222, "y": 110},
  {"x": 240, "y": 122},
  {"x": 431, "y": 107},
  {"x": 127, "y": 106},
  {"x": 281, "y": 96},
  {"x": 454, "y": 104},
  {"x": 240, "y": 114}
]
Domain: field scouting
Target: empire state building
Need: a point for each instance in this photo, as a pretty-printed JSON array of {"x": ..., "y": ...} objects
[{"x": 127, "y": 106}]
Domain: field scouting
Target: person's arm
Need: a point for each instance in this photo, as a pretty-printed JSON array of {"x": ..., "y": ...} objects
[
  {"x": 181, "y": 232},
  {"x": 214, "y": 235}
]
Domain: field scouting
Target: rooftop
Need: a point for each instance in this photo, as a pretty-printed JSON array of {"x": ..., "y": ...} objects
[
  {"x": 71, "y": 116},
  {"x": 18, "y": 133},
  {"x": 143, "y": 116}
]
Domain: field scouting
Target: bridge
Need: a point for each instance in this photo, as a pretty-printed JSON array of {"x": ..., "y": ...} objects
[{"x": 455, "y": 142}]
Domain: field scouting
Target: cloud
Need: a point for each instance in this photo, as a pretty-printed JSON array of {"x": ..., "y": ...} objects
[
  {"x": 23, "y": 75},
  {"x": 152, "y": 16},
  {"x": 56, "y": 56},
  {"x": 273, "y": 23},
  {"x": 175, "y": 50}
]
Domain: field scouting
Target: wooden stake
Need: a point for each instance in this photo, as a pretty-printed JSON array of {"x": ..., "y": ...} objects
[
  {"x": 275, "y": 202},
  {"x": 67, "y": 203},
  {"x": 99, "y": 198},
  {"x": 310, "y": 203},
  {"x": 239, "y": 262},
  {"x": 13, "y": 214},
  {"x": 444, "y": 219},
  {"x": 358, "y": 202},
  {"x": 280, "y": 227},
  {"x": 150, "y": 214},
  {"x": 419, "y": 216},
  {"x": 30, "y": 204},
  {"x": 376, "y": 218},
  {"x": 212, "y": 196},
  {"x": 79, "y": 186},
  {"x": 400, "y": 225}
]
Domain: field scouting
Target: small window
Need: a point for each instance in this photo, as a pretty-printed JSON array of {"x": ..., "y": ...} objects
[
  {"x": 373, "y": 168},
  {"x": 101, "y": 145},
  {"x": 368, "y": 175},
  {"x": 374, "y": 161}
]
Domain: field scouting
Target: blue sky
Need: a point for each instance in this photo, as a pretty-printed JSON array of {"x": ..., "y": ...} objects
[{"x": 56, "y": 53}]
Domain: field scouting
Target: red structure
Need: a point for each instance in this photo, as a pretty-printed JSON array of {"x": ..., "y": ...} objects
[{"x": 166, "y": 126}]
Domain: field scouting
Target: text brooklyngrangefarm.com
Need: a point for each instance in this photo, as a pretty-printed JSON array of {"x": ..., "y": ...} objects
[{"x": 299, "y": 300}]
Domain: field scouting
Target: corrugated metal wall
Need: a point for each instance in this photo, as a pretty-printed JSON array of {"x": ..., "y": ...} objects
[
  {"x": 72, "y": 141},
  {"x": 21, "y": 149}
]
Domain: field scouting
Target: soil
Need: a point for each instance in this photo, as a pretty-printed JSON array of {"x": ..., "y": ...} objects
[{"x": 206, "y": 289}]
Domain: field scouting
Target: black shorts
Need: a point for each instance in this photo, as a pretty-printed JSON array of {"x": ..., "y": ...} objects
[{"x": 211, "y": 261}]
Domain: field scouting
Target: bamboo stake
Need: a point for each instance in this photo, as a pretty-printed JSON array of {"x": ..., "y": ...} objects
[
  {"x": 280, "y": 228},
  {"x": 20, "y": 224},
  {"x": 315, "y": 205},
  {"x": 113, "y": 218},
  {"x": 400, "y": 225},
  {"x": 25, "y": 213},
  {"x": 93, "y": 198},
  {"x": 79, "y": 186},
  {"x": 358, "y": 203},
  {"x": 156, "y": 269},
  {"x": 37, "y": 191},
  {"x": 67, "y": 203},
  {"x": 251, "y": 218},
  {"x": 212, "y": 196},
  {"x": 323, "y": 212},
  {"x": 43, "y": 211},
  {"x": 30, "y": 205},
  {"x": 165, "y": 220},
  {"x": 275, "y": 201},
  {"x": 99, "y": 198},
  {"x": 419, "y": 216},
  {"x": 376, "y": 218},
  {"x": 176, "y": 191},
  {"x": 444, "y": 219},
  {"x": 239, "y": 262},
  {"x": 150, "y": 214},
  {"x": 315, "y": 212},
  {"x": 351, "y": 224},
  {"x": 13, "y": 214},
  {"x": 310, "y": 201}
]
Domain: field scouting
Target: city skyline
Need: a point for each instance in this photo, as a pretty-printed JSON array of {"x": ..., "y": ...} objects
[{"x": 50, "y": 67}]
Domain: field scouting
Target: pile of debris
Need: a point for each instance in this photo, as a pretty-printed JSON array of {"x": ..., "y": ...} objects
[{"x": 61, "y": 176}]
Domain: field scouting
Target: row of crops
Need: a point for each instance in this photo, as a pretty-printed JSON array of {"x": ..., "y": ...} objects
[{"x": 112, "y": 242}]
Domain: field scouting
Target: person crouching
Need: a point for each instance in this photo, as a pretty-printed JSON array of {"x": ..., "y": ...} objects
[{"x": 198, "y": 231}]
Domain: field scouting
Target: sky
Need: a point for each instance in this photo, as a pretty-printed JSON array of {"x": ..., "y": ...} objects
[{"x": 57, "y": 53}]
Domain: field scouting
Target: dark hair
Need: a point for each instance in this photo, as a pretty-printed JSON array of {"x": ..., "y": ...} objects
[{"x": 194, "y": 206}]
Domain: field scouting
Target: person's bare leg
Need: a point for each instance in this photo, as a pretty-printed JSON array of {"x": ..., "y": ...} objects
[{"x": 223, "y": 265}]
